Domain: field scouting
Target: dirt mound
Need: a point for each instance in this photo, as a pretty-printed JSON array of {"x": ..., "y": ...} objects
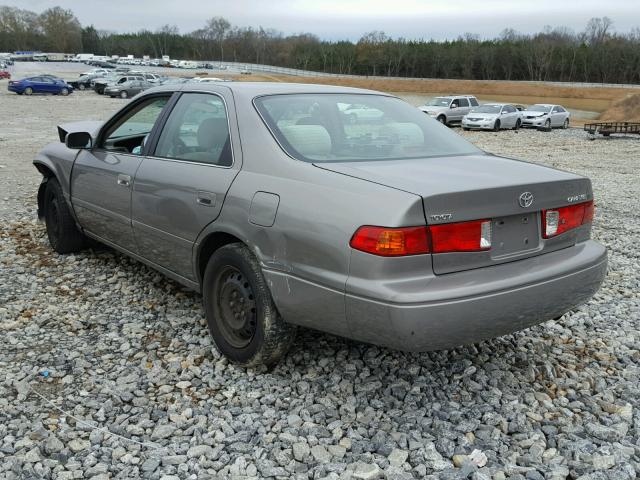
[{"x": 626, "y": 109}]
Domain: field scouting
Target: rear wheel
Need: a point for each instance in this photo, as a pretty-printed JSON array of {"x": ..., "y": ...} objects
[
  {"x": 442, "y": 119},
  {"x": 123, "y": 94},
  {"x": 241, "y": 316},
  {"x": 496, "y": 126},
  {"x": 62, "y": 231},
  {"x": 565, "y": 125},
  {"x": 28, "y": 91}
]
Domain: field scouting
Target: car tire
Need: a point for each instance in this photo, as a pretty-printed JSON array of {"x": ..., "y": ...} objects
[
  {"x": 64, "y": 92},
  {"x": 28, "y": 91},
  {"x": 466, "y": 129},
  {"x": 547, "y": 125},
  {"x": 81, "y": 86},
  {"x": 518, "y": 124},
  {"x": 124, "y": 94},
  {"x": 442, "y": 119},
  {"x": 565, "y": 125},
  {"x": 496, "y": 126},
  {"x": 242, "y": 318},
  {"x": 64, "y": 236}
]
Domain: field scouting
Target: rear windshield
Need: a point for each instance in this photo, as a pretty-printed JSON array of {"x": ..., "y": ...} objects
[{"x": 356, "y": 127}]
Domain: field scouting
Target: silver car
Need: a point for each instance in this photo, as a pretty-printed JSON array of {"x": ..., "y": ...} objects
[
  {"x": 450, "y": 109},
  {"x": 493, "y": 116},
  {"x": 392, "y": 230},
  {"x": 546, "y": 116}
]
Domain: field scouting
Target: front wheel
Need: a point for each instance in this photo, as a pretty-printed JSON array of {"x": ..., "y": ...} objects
[
  {"x": 241, "y": 316},
  {"x": 28, "y": 91},
  {"x": 123, "y": 94},
  {"x": 518, "y": 124},
  {"x": 547, "y": 125},
  {"x": 442, "y": 119},
  {"x": 82, "y": 86},
  {"x": 496, "y": 126},
  {"x": 62, "y": 231},
  {"x": 64, "y": 92},
  {"x": 466, "y": 129},
  {"x": 565, "y": 125}
]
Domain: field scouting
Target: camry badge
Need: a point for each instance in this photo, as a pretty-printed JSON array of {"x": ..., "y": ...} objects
[{"x": 526, "y": 199}]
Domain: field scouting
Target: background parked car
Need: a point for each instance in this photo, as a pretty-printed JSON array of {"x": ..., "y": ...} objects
[
  {"x": 84, "y": 81},
  {"x": 99, "y": 85},
  {"x": 41, "y": 84},
  {"x": 127, "y": 89},
  {"x": 449, "y": 109},
  {"x": 546, "y": 116},
  {"x": 493, "y": 116},
  {"x": 4, "y": 74}
]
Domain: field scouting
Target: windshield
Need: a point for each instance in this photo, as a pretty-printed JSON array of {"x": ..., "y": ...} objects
[
  {"x": 539, "y": 108},
  {"x": 318, "y": 128},
  {"x": 487, "y": 109},
  {"x": 438, "y": 102}
]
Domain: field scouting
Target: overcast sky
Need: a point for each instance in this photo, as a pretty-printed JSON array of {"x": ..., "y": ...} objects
[{"x": 349, "y": 19}]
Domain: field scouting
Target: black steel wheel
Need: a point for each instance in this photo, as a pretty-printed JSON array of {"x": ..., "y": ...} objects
[
  {"x": 242, "y": 318},
  {"x": 442, "y": 119},
  {"x": 235, "y": 306}
]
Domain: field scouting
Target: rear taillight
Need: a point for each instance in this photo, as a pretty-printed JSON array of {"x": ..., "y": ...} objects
[
  {"x": 451, "y": 237},
  {"x": 391, "y": 242},
  {"x": 461, "y": 237},
  {"x": 561, "y": 220}
]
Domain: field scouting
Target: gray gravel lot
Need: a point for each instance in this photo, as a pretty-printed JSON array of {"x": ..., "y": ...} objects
[{"x": 107, "y": 370}]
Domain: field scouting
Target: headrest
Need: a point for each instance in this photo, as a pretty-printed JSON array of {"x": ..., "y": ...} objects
[
  {"x": 213, "y": 132},
  {"x": 409, "y": 134},
  {"x": 309, "y": 140}
]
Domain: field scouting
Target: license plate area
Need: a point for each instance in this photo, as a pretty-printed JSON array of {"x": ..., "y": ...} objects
[{"x": 514, "y": 235}]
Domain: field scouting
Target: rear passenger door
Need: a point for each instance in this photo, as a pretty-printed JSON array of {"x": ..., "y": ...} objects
[{"x": 181, "y": 185}]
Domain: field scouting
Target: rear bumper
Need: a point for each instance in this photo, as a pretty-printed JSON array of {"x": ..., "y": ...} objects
[{"x": 502, "y": 299}]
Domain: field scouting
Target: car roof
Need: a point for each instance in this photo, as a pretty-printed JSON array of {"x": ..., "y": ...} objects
[{"x": 257, "y": 89}]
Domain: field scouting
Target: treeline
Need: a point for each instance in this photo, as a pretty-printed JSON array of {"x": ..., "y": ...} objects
[{"x": 596, "y": 54}]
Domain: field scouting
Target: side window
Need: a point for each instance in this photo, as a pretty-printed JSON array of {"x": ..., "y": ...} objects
[
  {"x": 463, "y": 102},
  {"x": 508, "y": 109},
  {"x": 556, "y": 109},
  {"x": 131, "y": 130},
  {"x": 473, "y": 101},
  {"x": 197, "y": 130}
]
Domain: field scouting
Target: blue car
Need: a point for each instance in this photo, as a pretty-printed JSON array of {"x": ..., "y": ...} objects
[{"x": 41, "y": 84}]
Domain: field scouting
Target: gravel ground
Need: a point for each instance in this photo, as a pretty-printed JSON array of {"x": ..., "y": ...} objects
[{"x": 108, "y": 371}]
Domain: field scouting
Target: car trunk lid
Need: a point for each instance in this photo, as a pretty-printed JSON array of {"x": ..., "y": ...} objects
[{"x": 508, "y": 192}]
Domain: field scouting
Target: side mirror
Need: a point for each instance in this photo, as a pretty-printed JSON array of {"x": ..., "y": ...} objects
[{"x": 78, "y": 140}]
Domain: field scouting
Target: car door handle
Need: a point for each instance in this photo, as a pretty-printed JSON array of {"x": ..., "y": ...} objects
[
  {"x": 206, "y": 199},
  {"x": 124, "y": 180}
]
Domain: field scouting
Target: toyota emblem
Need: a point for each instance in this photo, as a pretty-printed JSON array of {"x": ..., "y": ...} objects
[{"x": 526, "y": 199}]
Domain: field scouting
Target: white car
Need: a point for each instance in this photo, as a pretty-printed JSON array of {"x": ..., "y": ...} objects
[
  {"x": 206, "y": 79},
  {"x": 492, "y": 116},
  {"x": 97, "y": 71},
  {"x": 546, "y": 116},
  {"x": 449, "y": 109},
  {"x": 356, "y": 112}
]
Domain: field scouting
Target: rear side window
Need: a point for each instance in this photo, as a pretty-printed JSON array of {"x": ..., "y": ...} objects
[
  {"x": 463, "y": 102},
  {"x": 473, "y": 101},
  {"x": 197, "y": 130}
]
